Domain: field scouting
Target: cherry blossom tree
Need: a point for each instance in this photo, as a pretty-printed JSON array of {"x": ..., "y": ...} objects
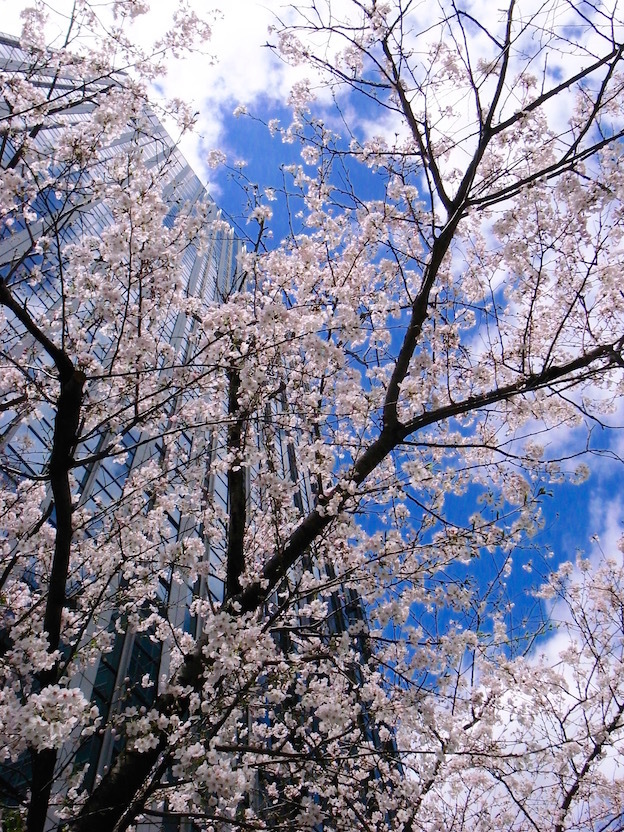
[{"x": 378, "y": 396}]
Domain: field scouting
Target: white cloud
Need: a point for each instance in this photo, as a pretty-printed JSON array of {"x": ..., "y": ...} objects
[
  {"x": 606, "y": 527},
  {"x": 239, "y": 68},
  {"x": 236, "y": 66}
]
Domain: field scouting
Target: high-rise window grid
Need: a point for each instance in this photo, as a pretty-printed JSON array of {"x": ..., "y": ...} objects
[
  {"x": 66, "y": 218},
  {"x": 209, "y": 274}
]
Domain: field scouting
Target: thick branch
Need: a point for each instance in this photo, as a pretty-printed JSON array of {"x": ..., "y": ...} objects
[
  {"x": 109, "y": 803},
  {"x": 64, "y": 441},
  {"x": 65, "y": 437},
  {"x": 61, "y": 459},
  {"x": 61, "y": 360},
  {"x": 390, "y": 438},
  {"x": 611, "y": 353},
  {"x": 420, "y": 309},
  {"x": 235, "y": 557}
]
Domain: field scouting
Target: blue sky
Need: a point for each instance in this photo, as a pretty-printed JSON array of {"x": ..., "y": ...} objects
[
  {"x": 577, "y": 518},
  {"x": 238, "y": 68}
]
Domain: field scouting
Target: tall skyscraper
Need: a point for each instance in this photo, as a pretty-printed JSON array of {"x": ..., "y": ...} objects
[
  {"x": 62, "y": 204},
  {"x": 115, "y": 263}
]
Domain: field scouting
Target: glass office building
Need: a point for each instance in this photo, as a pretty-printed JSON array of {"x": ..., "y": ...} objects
[
  {"x": 35, "y": 246},
  {"x": 39, "y": 248}
]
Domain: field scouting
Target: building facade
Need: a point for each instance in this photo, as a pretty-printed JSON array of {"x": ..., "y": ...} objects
[
  {"x": 113, "y": 254},
  {"x": 61, "y": 200}
]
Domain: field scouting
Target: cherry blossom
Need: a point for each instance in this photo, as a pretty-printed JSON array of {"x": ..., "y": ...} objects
[{"x": 300, "y": 488}]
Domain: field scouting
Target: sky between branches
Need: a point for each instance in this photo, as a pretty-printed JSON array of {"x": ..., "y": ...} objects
[{"x": 237, "y": 68}]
